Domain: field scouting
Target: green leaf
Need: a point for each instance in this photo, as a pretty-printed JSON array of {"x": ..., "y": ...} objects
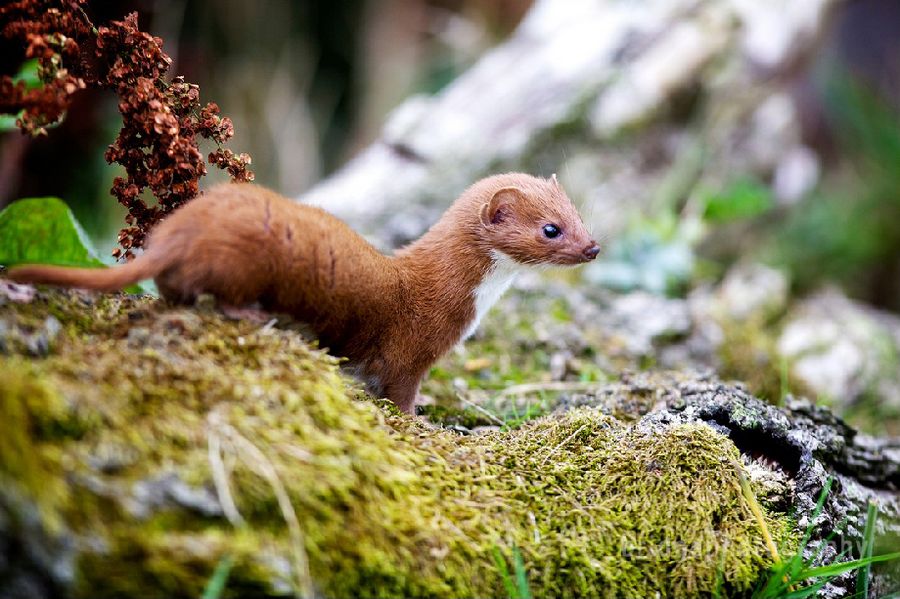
[
  {"x": 28, "y": 73},
  {"x": 838, "y": 569},
  {"x": 808, "y": 591},
  {"x": 784, "y": 580},
  {"x": 43, "y": 231},
  {"x": 8, "y": 122},
  {"x": 744, "y": 198}
]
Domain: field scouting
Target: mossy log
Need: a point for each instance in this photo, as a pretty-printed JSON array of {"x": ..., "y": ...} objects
[{"x": 145, "y": 444}]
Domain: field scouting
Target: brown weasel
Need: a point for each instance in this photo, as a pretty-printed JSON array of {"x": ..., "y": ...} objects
[{"x": 392, "y": 317}]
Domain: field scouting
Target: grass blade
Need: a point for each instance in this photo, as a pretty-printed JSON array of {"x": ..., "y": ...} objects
[
  {"x": 838, "y": 569},
  {"x": 524, "y": 592},
  {"x": 786, "y": 577},
  {"x": 504, "y": 573},
  {"x": 818, "y": 510},
  {"x": 810, "y": 591},
  {"x": 217, "y": 581},
  {"x": 862, "y": 578}
]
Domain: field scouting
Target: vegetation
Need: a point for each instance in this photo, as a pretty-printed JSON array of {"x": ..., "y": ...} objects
[
  {"x": 157, "y": 144},
  {"x": 801, "y": 577},
  {"x": 848, "y": 232},
  {"x": 43, "y": 218},
  {"x": 202, "y": 412}
]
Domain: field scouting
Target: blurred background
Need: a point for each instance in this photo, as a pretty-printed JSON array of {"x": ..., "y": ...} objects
[
  {"x": 740, "y": 159},
  {"x": 307, "y": 84}
]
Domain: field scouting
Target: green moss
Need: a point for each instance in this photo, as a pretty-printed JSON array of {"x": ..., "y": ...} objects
[
  {"x": 175, "y": 564},
  {"x": 31, "y": 412},
  {"x": 630, "y": 514},
  {"x": 516, "y": 349},
  {"x": 449, "y": 415},
  {"x": 385, "y": 506},
  {"x": 748, "y": 353}
]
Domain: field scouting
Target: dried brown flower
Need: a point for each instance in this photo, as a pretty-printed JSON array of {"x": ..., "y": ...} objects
[{"x": 161, "y": 120}]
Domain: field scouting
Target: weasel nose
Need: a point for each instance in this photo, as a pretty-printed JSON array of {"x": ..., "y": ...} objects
[{"x": 591, "y": 251}]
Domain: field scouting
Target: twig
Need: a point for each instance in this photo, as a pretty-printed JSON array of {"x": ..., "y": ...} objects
[
  {"x": 474, "y": 405},
  {"x": 261, "y": 465},
  {"x": 526, "y": 388},
  {"x": 219, "y": 473},
  {"x": 564, "y": 441},
  {"x": 755, "y": 509}
]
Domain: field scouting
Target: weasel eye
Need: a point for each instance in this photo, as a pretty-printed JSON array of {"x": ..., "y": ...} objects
[{"x": 551, "y": 231}]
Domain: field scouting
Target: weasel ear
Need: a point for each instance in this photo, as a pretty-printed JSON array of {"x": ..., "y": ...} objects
[{"x": 494, "y": 211}]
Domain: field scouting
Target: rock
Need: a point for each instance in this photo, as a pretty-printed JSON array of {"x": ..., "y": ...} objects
[
  {"x": 559, "y": 365},
  {"x": 642, "y": 319},
  {"x": 36, "y": 338},
  {"x": 658, "y": 74},
  {"x": 796, "y": 175},
  {"x": 13, "y": 292},
  {"x": 843, "y": 350},
  {"x": 167, "y": 489},
  {"x": 485, "y": 429},
  {"x": 752, "y": 291}
]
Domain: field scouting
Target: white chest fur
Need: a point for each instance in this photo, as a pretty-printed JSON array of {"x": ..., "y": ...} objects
[{"x": 495, "y": 283}]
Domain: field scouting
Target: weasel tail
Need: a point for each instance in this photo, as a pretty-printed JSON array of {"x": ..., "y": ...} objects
[{"x": 143, "y": 267}]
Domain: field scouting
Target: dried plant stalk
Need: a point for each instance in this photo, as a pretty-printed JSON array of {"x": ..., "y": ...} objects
[{"x": 157, "y": 145}]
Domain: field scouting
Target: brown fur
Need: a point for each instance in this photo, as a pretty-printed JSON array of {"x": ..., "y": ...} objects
[{"x": 393, "y": 317}]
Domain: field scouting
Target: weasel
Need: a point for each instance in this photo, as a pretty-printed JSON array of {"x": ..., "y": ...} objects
[{"x": 391, "y": 316}]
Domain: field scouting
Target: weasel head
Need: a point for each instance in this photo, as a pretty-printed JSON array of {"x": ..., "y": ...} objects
[{"x": 534, "y": 222}]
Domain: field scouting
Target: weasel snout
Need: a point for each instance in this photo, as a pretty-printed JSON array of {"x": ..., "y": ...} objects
[{"x": 591, "y": 251}]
